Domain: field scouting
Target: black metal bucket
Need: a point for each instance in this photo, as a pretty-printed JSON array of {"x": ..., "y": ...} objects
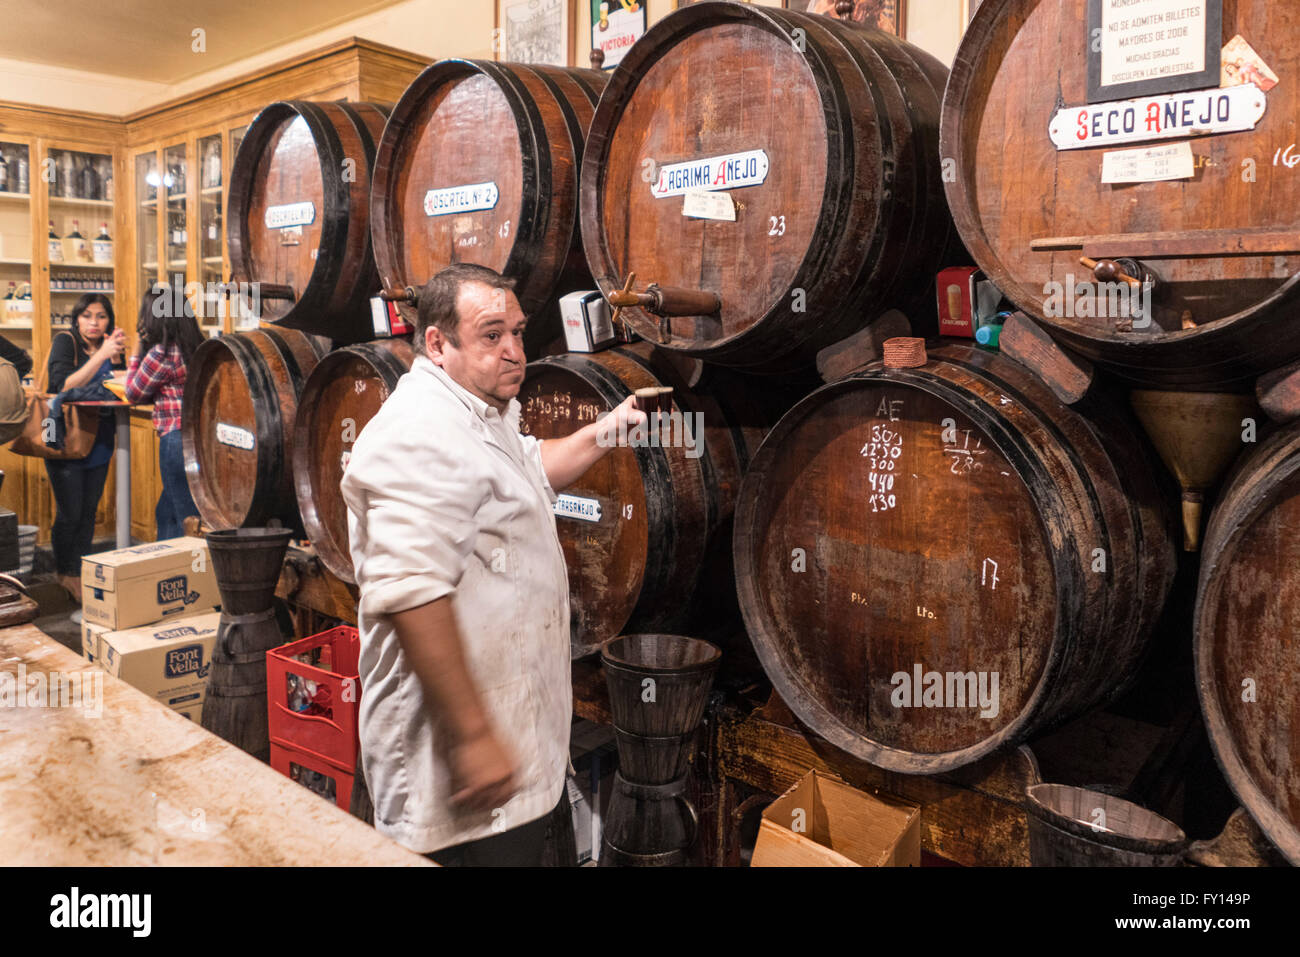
[
  {"x": 247, "y": 563},
  {"x": 1075, "y": 827},
  {"x": 658, "y": 684},
  {"x": 648, "y": 824}
]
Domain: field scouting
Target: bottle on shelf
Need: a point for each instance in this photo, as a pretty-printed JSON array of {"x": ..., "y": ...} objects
[
  {"x": 55, "y": 245},
  {"x": 103, "y": 247},
  {"x": 4, "y": 173},
  {"x": 75, "y": 247},
  {"x": 13, "y": 287},
  {"x": 89, "y": 180},
  {"x": 20, "y": 169},
  {"x": 105, "y": 169},
  {"x": 24, "y": 292},
  {"x": 67, "y": 176}
]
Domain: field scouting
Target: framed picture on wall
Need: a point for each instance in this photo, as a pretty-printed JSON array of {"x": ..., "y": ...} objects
[
  {"x": 887, "y": 15},
  {"x": 535, "y": 31},
  {"x": 615, "y": 26}
]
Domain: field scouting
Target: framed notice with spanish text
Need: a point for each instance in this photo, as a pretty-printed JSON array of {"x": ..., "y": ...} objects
[
  {"x": 1140, "y": 48},
  {"x": 615, "y": 26}
]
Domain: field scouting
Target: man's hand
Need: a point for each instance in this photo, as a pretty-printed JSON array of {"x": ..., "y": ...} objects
[
  {"x": 482, "y": 775},
  {"x": 565, "y": 460}
]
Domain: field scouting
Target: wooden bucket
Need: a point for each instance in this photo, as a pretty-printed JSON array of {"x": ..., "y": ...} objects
[
  {"x": 953, "y": 520},
  {"x": 241, "y": 396},
  {"x": 829, "y": 133},
  {"x": 648, "y": 825},
  {"x": 299, "y": 220},
  {"x": 479, "y": 164},
  {"x": 1075, "y": 827}
]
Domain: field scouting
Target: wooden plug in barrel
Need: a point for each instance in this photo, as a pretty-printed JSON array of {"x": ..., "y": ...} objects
[
  {"x": 640, "y": 529},
  {"x": 343, "y": 393},
  {"x": 957, "y": 521},
  {"x": 1247, "y": 666},
  {"x": 818, "y": 141},
  {"x": 1223, "y": 242},
  {"x": 299, "y": 220},
  {"x": 241, "y": 395},
  {"x": 479, "y": 164}
]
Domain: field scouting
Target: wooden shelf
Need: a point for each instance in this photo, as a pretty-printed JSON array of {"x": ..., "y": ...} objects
[
  {"x": 67, "y": 265},
  {"x": 24, "y": 197},
  {"x": 77, "y": 292},
  {"x": 66, "y": 201},
  {"x": 210, "y": 190},
  {"x": 6, "y": 261},
  {"x": 16, "y": 326}
]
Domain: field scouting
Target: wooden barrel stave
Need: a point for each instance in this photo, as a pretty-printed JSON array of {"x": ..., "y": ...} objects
[
  {"x": 249, "y": 381},
  {"x": 537, "y": 117},
  {"x": 343, "y": 393},
  {"x": 319, "y": 153},
  {"x": 996, "y": 105},
  {"x": 852, "y": 241},
  {"x": 1244, "y": 629},
  {"x": 1030, "y": 509}
]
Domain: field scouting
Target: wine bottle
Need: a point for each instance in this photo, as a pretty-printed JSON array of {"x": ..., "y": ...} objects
[
  {"x": 103, "y": 246},
  {"x": 76, "y": 249},
  {"x": 106, "y": 178},
  {"x": 24, "y": 292},
  {"x": 55, "y": 245},
  {"x": 67, "y": 177},
  {"x": 4, "y": 173},
  {"x": 21, "y": 164},
  {"x": 12, "y": 286},
  {"x": 89, "y": 181}
]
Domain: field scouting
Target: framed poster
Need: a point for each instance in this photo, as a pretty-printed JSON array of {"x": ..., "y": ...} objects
[
  {"x": 1140, "y": 48},
  {"x": 887, "y": 15},
  {"x": 535, "y": 31},
  {"x": 615, "y": 26}
]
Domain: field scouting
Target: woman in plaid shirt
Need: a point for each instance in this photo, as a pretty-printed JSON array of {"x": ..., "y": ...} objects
[{"x": 157, "y": 373}]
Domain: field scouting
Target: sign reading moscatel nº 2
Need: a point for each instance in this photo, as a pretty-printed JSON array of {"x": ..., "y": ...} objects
[{"x": 1143, "y": 47}]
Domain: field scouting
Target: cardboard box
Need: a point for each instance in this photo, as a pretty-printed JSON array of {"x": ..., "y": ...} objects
[
  {"x": 168, "y": 660},
  {"x": 968, "y": 299},
  {"x": 588, "y": 325},
  {"x": 823, "y": 822},
  {"x": 594, "y": 754},
  {"x": 90, "y": 636},
  {"x": 147, "y": 583}
]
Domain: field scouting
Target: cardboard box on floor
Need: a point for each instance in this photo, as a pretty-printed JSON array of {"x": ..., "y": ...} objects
[
  {"x": 147, "y": 583},
  {"x": 90, "y": 635},
  {"x": 823, "y": 822},
  {"x": 168, "y": 660}
]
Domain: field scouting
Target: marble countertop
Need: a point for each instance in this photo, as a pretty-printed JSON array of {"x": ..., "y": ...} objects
[{"x": 141, "y": 785}]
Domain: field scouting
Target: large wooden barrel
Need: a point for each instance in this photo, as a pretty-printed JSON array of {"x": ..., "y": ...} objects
[
  {"x": 1247, "y": 663},
  {"x": 479, "y": 164},
  {"x": 1223, "y": 243},
  {"x": 643, "y": 527},
  {"x": 819, "y": 137},
  {"x": 339, "y": 398},
  {"x": 953, "y": 520},
  {"x": 241, "y": 395},
  {"x": 299, "y": 215}
]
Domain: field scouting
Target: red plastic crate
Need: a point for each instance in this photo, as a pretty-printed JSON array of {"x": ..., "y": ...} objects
[
  {"x": 284, "y": 758},
  {"x": 329, "y": 729}
]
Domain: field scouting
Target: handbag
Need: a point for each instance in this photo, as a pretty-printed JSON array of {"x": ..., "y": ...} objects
[{"x": 80, "y": 426}]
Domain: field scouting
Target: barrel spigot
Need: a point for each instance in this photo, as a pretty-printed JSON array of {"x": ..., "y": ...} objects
[
  {"x": 664, "y": 302},
  {"x": 407, "y": 294}
]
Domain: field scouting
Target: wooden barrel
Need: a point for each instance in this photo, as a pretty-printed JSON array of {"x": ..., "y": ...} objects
[
  {"x": 343, "y": 393},
  {"x": 299, "y": 215},
  {"x": 1224, "y": 242},
  {"x": 820, "y": 142},
  {"x": 643, "y": 527},
  {"x": 957, "y": 524},
  {"x": 241, "y": 395},
  {"x": 1247, "y": 669},
  {"x": 479, "y": 164}
]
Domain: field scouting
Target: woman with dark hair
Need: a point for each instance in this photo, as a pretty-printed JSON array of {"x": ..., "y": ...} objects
[
  {"x": 82, "y": 356},
  {"x": 169, "y": 335}
]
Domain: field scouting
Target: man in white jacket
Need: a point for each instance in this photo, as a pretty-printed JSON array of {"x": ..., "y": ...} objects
[{"x": 464, "y": 611}]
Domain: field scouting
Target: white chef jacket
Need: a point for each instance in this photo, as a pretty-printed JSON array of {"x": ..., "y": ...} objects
[{"x": 445, "y": 497}]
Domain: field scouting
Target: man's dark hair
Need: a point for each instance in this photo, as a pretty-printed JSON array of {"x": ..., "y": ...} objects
[{"x": 437, "y": 301}]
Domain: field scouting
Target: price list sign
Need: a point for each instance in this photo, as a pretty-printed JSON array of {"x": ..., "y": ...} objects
[{"x": 1143, "y": 47}]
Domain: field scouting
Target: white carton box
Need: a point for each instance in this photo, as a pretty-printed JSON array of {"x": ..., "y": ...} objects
[
  {"x": 587, "y": 323},
  {"x": 147, "y": 583}
]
